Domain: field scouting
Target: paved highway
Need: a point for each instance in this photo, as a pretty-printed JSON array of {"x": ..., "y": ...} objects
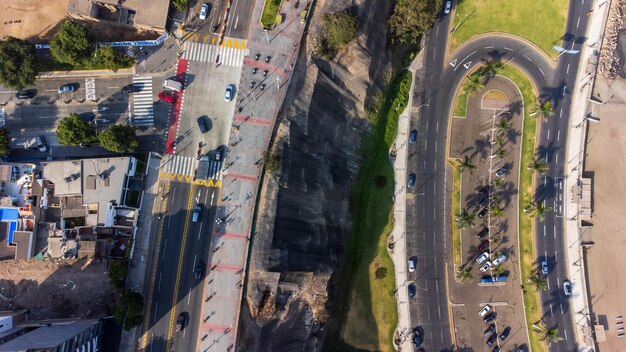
[{"x": 442, "y": 75}]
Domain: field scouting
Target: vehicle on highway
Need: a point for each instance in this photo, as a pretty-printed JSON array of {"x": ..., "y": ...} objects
[
  {"x": 448, "y": 7},
  {"x": 412, "y": 290},
  {"x": 66, "y": 88},
  {"x": 131, "y": 88},
  {"x": 484, "y": 311},
  {"x": 567, "y": 288},
  {"x": 503, "y": 336},
  {"x": 230, "y": 93},
  {"x": 202, "y": 124},
  {"x": 484, "y": 232},
  {"x": 411, "y": 181},
  {"x": 501, "y": 171},
  {"x": 172, "y": 85},
  {"x": 490, "y": 330},
  {"x": 204, "y": 11},
  {"x": 492, "y": 339},
  {"x": 181, "y": 321},
  {"x": 412, "y": 264},
  {"x": 167, "y": 97},
  {"x": 491, "y": 317},
  {"x": 501, "y": 259},
  {"x": 483, "y": 213},
  {"x": 199, "y": 271},
  {"x": 484, "y": 245},
  {"x": 413, "y": 136},
  {"x": 485, "y": 266},
  {"x": 544, "y": 267},
  {"x": 481, "y": 258},
  {"x": 196, "y": 213},
  {"x": 25, "y": 94}
]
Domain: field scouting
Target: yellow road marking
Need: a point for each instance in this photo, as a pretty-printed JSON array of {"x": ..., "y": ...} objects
[
  {"x": 144, "y": 338},
  {"x": 213, "y": 40},
  {"x": 189, "y": 179},
  {"x": 206, "y": 37},
  {"x": 180, "y": 266}
]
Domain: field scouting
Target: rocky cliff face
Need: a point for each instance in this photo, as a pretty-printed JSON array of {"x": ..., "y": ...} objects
[{"x": 303, "y": 217}]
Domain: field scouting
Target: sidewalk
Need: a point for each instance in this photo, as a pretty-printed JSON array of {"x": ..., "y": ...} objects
[{"x": 575, "y": 157}]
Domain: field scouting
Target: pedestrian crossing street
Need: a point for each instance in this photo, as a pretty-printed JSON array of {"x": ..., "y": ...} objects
[
  {"x": 143, "y": 102},
  {"x": 210, "y": 53},
  {"x": 90, "y": 89},
  {"x": 183, "y": 168}
]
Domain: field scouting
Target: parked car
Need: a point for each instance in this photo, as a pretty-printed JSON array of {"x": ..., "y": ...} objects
[
  {"x": 486, "y": 266},
  {"x": 482, "y": 258},
  {"x": 413, "y": 136},
  {"x": 501, "y": 259},
  {"x": 181, "y": 321},
  {"x": 496, "y": 349},
  {"x": 483, "y": 212},
  {"x": 172, "y": 85},
  {"x": 501, "y": 171},
  {"x": 412, "y": 264},
  {"x": 483, "y": 246},
  {"x": 544, "y": 267},
  {"x": 199, "y": 271},
  {"x": 505, "y": 334},
  {"x": 492, "y": 339},
  {"x": 484, "y": 311},
  {"x": 411, "y": 181},
  {"x": 484, "y": 202},
  {"x": 417, "y": 338},
  {"x": 412, "y": 290},
  {"x": 567, "y": 288},
  {"x": 490, "y": 330},
  {"x": 41, "y": 145},
  {"x": 202, "y": 124},
  {"x": 25, "y": 94},
  {"x": 167, "y": 97},
  {"x": 484, "y": 232},
  {"x": 485, "y": 190},
  {"x": 448, "y": 7},
  {"x": 230, "y": 92},
  {"x": 491, "y": 317},
  {"x": 204, "y": 11},
  {"x": 66, "y": 88}
]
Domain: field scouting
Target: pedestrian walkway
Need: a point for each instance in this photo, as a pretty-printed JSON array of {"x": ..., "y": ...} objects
[
  {"x": 178, "y": 165},
  {"x": 182, "y": 169},
  {"x": 227, "y": 56},
  {"x": 143, "y": 102},
  {"x": 90, "y": 88}
]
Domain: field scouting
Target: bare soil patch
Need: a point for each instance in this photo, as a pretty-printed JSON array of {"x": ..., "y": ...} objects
[{"x": 34, "y": 20}]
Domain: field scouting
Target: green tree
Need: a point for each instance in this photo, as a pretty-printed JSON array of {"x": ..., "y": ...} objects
[
  {"x": 501, "y": 153},
  {"x": 129, "y": 310},
  {"x": 549, "y": 335},
  {"x": 536, "y": 209},
  {"x": 544, "y": 110},
  {"x": 538, "y": 166},
  {"x": 411, "y": 18},
  {"x": 72, "y": 43},
  {"x": 497, "y": 184},
  {"x": 464, "y": 219},
  {"x": 180, "y": 5},
  {"x": 74, "y": 130},
  {"x": 497, "y": 211},
  {"x": 490, "y": 68},
  {"x": 119, "y": 138},
  {"x": 538, "y": 281},
  {"x": 337, "y": 31},
  {"x": 466, "y": 164},
  {"x": 111, "y": 59},
  {"x": 503, "y": 125},
  {"x": 473, "y": 83},
  {"x": 117, "y": 273},
  {"x": 464, "y": 274},
  {"x": 497, "y": 270},
  {"x": 4, "y": 141},
  {"x": 17, "y": 63},
  {"x": 271, "y": 161}
]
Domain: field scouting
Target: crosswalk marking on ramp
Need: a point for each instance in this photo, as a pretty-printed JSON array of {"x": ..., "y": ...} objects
[
  {"x": 183, "y": 168},
  {"x": 90, "y": 88},
  {"x": 143, "y": 102},
  {"x": 228, "y": 56}
]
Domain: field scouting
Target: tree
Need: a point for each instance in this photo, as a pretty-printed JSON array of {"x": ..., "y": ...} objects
[
  {"x": 501, "y": 153},
  {"x": 271, "y": 161},
  {"x": 119, "y": 138},
  {"x": 111, "y": 59},
  {"x": 490, "y": 68},
  {"x": 337, "y": 31},
  {"x": 497, "y": 211},
  {"x": 497, "y": 183},
  {"x": 540, "y": 282},
  {"x": 117, "y": 273},
  {"x": 473, "y": 83},
  {"x": 549, "y": 335},
  {"x": 129, "y": 310},
  {"x": 542, "y": 109},
  {"x": 71, "y": 44},
  {"x": 180, "y": 5},
  {"x": 464, "y": 219},
  {"x": 411, "y": 18},
  {"x": 4, "y": 141},
  {"x": 74, "y": 130},
  {"x": 497, "y": 270},
  {"x": 17, "y": 63},
  {"x": 538, "y": 166},
  {"x": 535, "y": 209},
  {"x": 466, "y": 164},
  {"x": 503, "y": 125},
  {"x": 464, "y": 274}
]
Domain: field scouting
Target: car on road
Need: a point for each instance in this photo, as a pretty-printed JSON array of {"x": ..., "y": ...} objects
[
  {"x": 412, "y": 261},
  {"x": 199, "y": 271},
  {"x": 567, "y": 288},
  {"x": 181, "y": 321},
  {"x": 505, "y": 334},
  {"x": 501, "y": 259},
  {"x": 411, "y": 181},
  {"x": 230, "y": 93},
  {"x": 220, "y": 153},
  {"x": 482, "y": 258},
  {"x": 492, "y": 339},
  {"x": 66, "y": 88},
  {"x": 491, "y": 317},
  {"x": 490, "y": 330},
  {"x": 204, "y": 11},
  {"x": 484, "y": 311},
  {"x": 167, "y": 97},
  {"x": 483, "y": 246},
  {"x": 448, "y": 7},
  {"x": 486, "y": 266},
  {"x": 501, "y": 171},
  {"x": 483, "y": 212},
  {"x": 544, "y": 267},
  {"x": 202, "y": 124},
  {"x": 131, "y": 88},
  {"x": 413, "y": 136},
  {"x": 412, "y": 290},
  {"x": 484, "y": 232},
  {"x": 196, "y": 213},
  {"x": 25, "y": 94}
]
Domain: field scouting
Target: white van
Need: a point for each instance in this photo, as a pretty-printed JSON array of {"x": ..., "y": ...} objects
[
  {"x": 499, "y": 260},
  {"x": 172, "y": 85}
]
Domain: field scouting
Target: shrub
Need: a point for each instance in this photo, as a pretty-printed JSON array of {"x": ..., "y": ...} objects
[{"x": 338, "y": 30}]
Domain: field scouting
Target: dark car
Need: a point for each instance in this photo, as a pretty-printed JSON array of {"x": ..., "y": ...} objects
[
  {"x": 413, "y": 136},
  {"x": 490, "y": 330},
  {"x": 25, "y": 94},
  {"x": 181, "y": 321},
  {"x": 491, "y": 340},
  {"x": 496, "y": 349},
  {"x": 87, "y": 116},
  {"x": 484, "y": 232},
  {"x": 501, "y": 171},
  {"x": 417, "y": 339},
  {"x": 483, "y": 202},
  {"x": 199, "y": 271},
  {"x": 483, "y": 213},
  {"x": 489, "y": 318},
  {"x": 131, "y": 88},
  {"x": 411, "y": 181},
  {"x": 484, "y": 245},
  {"x": 485, "y": 190},
  {"x": 503, "y": 336},
  {"x": 66, "y": 88},
  {"x": 220, "y": 153},
  {"x": 412, "y": 290},
  {"x": 202, "y": 124}
]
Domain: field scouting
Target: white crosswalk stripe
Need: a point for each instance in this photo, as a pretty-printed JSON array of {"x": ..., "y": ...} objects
[
  {"x": 209, "y": 53},
  {"x": 179, "y": 165},
  {"x": 143, "y": 102},
  {"x": 2, "y": 117},
  {"x": 90, "y": 88}
]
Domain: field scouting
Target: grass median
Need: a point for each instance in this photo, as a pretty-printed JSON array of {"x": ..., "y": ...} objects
[
  {"x": 456, "y": 208},
  {"x": 474, "y": 17},
  {"x": 365, "y": 307},
  {"x": 270, "y": 11}
]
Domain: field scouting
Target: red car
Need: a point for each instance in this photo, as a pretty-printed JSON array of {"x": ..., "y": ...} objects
[{"x": 167, "y": 97}]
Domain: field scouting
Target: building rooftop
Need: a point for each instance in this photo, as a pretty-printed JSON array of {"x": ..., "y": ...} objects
[
  {"x": 148, "y": 14},
  {"x": 46, "y": 336}
]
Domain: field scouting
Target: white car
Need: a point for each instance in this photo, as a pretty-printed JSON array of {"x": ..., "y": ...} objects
[
  {"x": 499, "y": 260},
  {"x": 567, "y": 288},
  {"x": 448, "y": 7},
  {"x": 230, "y": 93},
  {"x": 485, "y": 266},
  {"x": 204, "y": 11},
  {"x": 481, "y": 258},
  {"x": 411, "y": 264},
  {"x": 544, "y": 267},
  {"x": 484, "y": 311}
]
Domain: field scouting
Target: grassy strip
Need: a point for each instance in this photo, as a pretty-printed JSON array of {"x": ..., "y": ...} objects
[
  {"x": 270, "y": 11},
  {"x": 456, "y": 208},
  {"x": 365, "y": 292},
  {"x": 50, "y": 64},
  {"x": 460, "y": 108},
  {"x": 483, "y": 16}
]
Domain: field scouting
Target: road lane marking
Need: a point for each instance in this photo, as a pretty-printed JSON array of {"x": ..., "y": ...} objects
[
  {"x": 164, "y": 247},
  {"x": 200, "y": 232},
  {"x": 489, "y": 47},
  {"x": 509, "y": 49},
  {"x": 540, "y": 70},
  {"x": 160, "y": 276},
  {"x": 578, "y": 22},
  {"x": 555, "y": 232},
  {"x": 156, "y": 307},
  {"x": 561, "y": 305},
  {"x": 546, "y": 157},
  {"x": 472, "y": 53},
  {"x": 561, "y": 113},
  {"x": 567, "y": 71},
  {"x": 548, "y": 134},
  {"x": 558, "y": 283},
  {"x": 548, "y": 282},
  {"x": 551, "y": 313},
  {"x": 556, "y": 256},
  {"x": 528, "y": 58},
  {"x": 189, "y": 296},
  {"x": 565, "y": 332},
  {"x": 544, "y": 230},
  {"x": 437, "y": 128},
  {"x": 564, "y": 87},
  {"x": 195, "y": 257},
  {"x": 558, "y": 135}
]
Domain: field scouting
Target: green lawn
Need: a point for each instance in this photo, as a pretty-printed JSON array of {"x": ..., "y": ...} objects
[
  {"x": 540, "y": 22},
  {"x": 456, "y": 208},
  {"x": 460, "y": 109},
  {"x": 270, "y": 10},
  {"x": 365, "y": 309}
]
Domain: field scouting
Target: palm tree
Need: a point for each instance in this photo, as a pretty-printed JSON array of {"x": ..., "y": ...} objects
[
  {"x": 501, "y": 153},
  {"x": 490, "y": 68},
  {"x": 497, "y": 270},
  {"x": 464, "y": 219},
  {"x": 537, "y": 165},
  {"x": 497, "y": 183},
  {"x": 473, "y": 84},
  {"x": 497, "y": 211},
  {"x": 543, "y": 109},
  {"x": 535, "y": 209},
  {"x": 466, "y": 164},
  {"x": 549, "y": 335},
  {"x": 540, "y": 282},
  {"x": 464, "y": 274},
  {"x": 503, "y": 125}
]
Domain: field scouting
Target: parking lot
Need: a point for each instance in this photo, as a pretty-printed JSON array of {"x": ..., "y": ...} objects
[{"x": 488, "y": 137}]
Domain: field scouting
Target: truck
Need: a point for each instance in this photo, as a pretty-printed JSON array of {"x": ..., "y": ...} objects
[{"x": 29, "y": 143}]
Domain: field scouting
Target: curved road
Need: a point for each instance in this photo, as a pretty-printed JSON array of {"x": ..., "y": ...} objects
[{"x": 427, "y": 215}]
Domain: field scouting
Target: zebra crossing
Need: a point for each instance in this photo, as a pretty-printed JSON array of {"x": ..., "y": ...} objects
[
  {"x": 143, "y": 102},
  {"x": 183, "y": 168},
  {"x": 90, "y": 89},
  {"x": 212, "y": 53},
  {"x": 3, "y": 120}
]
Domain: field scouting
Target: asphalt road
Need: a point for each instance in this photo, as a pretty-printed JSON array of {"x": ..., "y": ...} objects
[
  {"x": 429, "y": 160},
  {"x": 238, "y": 23}
]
